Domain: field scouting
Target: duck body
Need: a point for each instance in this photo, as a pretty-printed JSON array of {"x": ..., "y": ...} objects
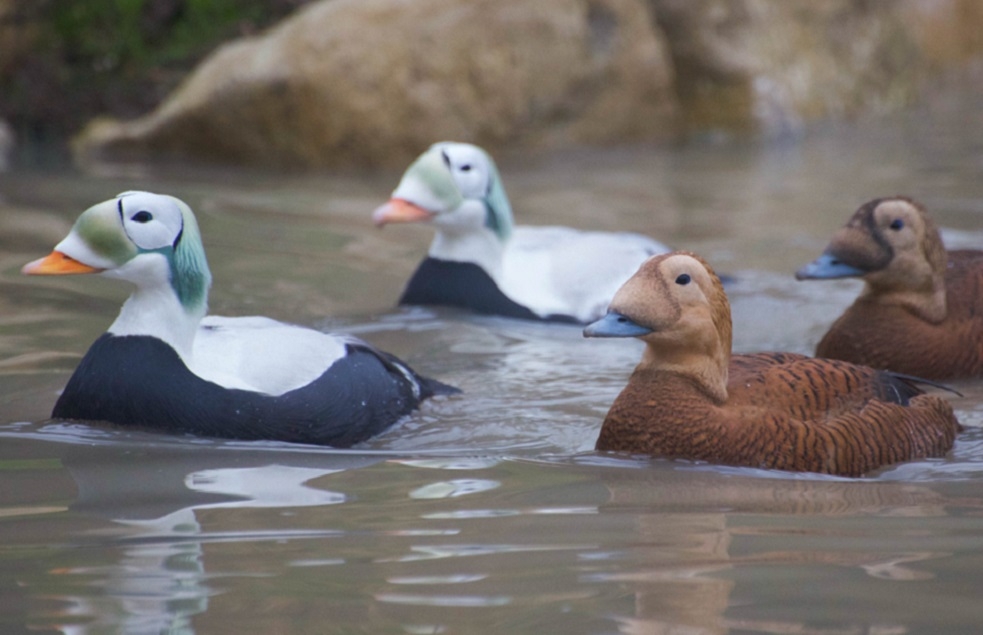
[
  {"x": 141, "y": 381},
  {"x": 164, "y": 364},
  {"x": 921, "y": 311},
  {"x": 783, "y": 412},
  {"x": 893, "y": 337},
  {"x": 481, "y": 262},
  {"x": 689, "y": 398},
  {"x": 465, "y": 285}
]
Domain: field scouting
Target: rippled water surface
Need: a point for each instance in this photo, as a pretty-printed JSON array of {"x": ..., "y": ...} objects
[{"x": 486, "y": 512}]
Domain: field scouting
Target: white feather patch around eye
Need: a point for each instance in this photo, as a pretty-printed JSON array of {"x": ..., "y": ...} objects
[
  {"x": 469, "y": 167},
  {"x": 261, "y": 354},
  {"x": 164, "y": 224}
]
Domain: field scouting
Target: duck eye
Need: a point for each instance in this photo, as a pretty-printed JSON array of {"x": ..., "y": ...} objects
[
  {"x": 466, "y": 167},
  {"x": 683, "y": 278},
  {"x": 142, "y": 216},
  {"x": 896, "y": 224}
]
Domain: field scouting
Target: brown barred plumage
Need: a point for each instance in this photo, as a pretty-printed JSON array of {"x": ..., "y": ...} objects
[
  {"x": 689, "y": 398},
  {"x": 921, "y": 312}
]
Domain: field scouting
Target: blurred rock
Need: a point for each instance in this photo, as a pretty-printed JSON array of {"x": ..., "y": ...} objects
[
  {"x": 365, "y": 82},
  {"x": 948, "y": 32},
  {"x": 63, "y": 63},
  {"x": 765, "y": 65},
  {"x": 7, "y": 143},
  {"x": 770, "y": 66},
  {"x": 373, "y": 82}
]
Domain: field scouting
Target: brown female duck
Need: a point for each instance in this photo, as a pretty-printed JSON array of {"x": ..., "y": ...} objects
[
  {"x": 921, "y": 310},
  {"x": 689, "y": 398}
]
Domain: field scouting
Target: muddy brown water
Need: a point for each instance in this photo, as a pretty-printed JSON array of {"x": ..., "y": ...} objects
[{"x": 487, "y": 512}]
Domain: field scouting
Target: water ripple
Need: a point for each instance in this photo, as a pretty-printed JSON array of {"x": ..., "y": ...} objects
[
  {"x": 455, "y": 488},
  {"x": 460, "y": 601}
]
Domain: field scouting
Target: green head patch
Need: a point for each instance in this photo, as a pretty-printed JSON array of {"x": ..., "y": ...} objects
[
  {"x": 499, "y": 218},
  {"x": 190, "y": 275},
  {"x": 99, "y": 228}
]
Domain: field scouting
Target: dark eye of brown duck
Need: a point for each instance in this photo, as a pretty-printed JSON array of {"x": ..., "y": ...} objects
[
  {"x": 896, "y": 224},
  {"x": 683, "y": 278},
  {"x": 142, "y": 217}
]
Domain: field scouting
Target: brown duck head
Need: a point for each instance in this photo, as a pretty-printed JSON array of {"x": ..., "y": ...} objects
[
  {"x": 895, "y": 247},
  {"x": 676, "y": 304}
]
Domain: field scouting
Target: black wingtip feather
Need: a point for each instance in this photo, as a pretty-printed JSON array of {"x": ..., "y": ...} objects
[
  {"x": 914, "y": 382},
  {"x": 433, "y": 388}
]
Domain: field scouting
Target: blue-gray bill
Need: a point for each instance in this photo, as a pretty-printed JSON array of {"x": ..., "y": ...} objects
[
  {"x": 615, "y": 324},
  {"x": 827, "y": 266}
]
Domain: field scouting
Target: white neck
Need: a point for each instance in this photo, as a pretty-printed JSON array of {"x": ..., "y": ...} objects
[
  {"x": 463, "y": 237},
  {"x": 480, "y": 247},
  {"x": 154, "y": 308}
]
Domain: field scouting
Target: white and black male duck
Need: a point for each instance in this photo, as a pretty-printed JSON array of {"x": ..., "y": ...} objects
[
  {"x": 481, "y": 261},
  {"x": 164, "y": 364}
]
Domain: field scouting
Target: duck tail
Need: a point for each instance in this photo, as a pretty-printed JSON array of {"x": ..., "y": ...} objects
[
  {"x": 433, "y": 388},
  {"x": 915, "y": 382},
  {"x": 423, "y": 387}
]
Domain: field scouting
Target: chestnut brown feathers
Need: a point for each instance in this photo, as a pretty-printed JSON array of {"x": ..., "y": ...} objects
[
  {"x": 689, "y": 398},
  {"x": 921, "y": 310}
]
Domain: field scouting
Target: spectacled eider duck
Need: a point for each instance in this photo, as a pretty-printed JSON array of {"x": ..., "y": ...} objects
[
  {"x": 164, "y": 365},
  {"x": 480, "y": 261},
  {"x": 921, "y": 310},
  {"x": 690, "y": 398}
]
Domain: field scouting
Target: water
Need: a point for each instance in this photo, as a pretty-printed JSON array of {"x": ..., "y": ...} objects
[{"x": 487, "y": 512}]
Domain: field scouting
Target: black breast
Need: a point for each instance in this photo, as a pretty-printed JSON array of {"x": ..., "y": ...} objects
[
  {"x": 141, "y": 381},
  {"x": 467, "y": 286}
]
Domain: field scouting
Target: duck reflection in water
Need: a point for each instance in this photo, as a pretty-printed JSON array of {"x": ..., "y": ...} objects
[
  {"x": 688, "y": 569},
  {"x": 160, "y": 580}
]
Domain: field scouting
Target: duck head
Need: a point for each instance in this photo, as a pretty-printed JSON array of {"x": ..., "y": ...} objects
[
  {"x": 151, "y": 241},
  {"x": 457, "y": 188},
  {"x": 896, "y": 248},
  {"x": 676, "y": 304}
]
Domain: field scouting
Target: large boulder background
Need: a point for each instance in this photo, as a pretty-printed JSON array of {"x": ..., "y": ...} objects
[
  {"x": 373, "y": 82},
  {"x": 771, "y": 66}
]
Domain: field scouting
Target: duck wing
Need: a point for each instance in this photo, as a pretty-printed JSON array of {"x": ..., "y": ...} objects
[
  {"x": 813, "y": 388},
  {"x": 261, "y": 354},
  {"x": 141, "y": 381},
  {"x": 822, "y": 415}
]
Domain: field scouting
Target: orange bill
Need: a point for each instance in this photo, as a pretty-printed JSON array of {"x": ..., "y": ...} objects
[
  {"x": 56, "y": 264},
  {"x": 398, "y": 210}
]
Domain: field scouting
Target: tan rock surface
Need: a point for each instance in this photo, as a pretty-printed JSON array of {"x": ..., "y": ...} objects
[
  {"x": 376, "y": 81},
  {"x": 770, "y": 66}
]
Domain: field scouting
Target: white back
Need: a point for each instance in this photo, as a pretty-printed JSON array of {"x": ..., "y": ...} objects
[
  {"x": 559, "y": 270},
  {"x": 261, "y": 354},
  {"x": 550, "y": 270}
]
